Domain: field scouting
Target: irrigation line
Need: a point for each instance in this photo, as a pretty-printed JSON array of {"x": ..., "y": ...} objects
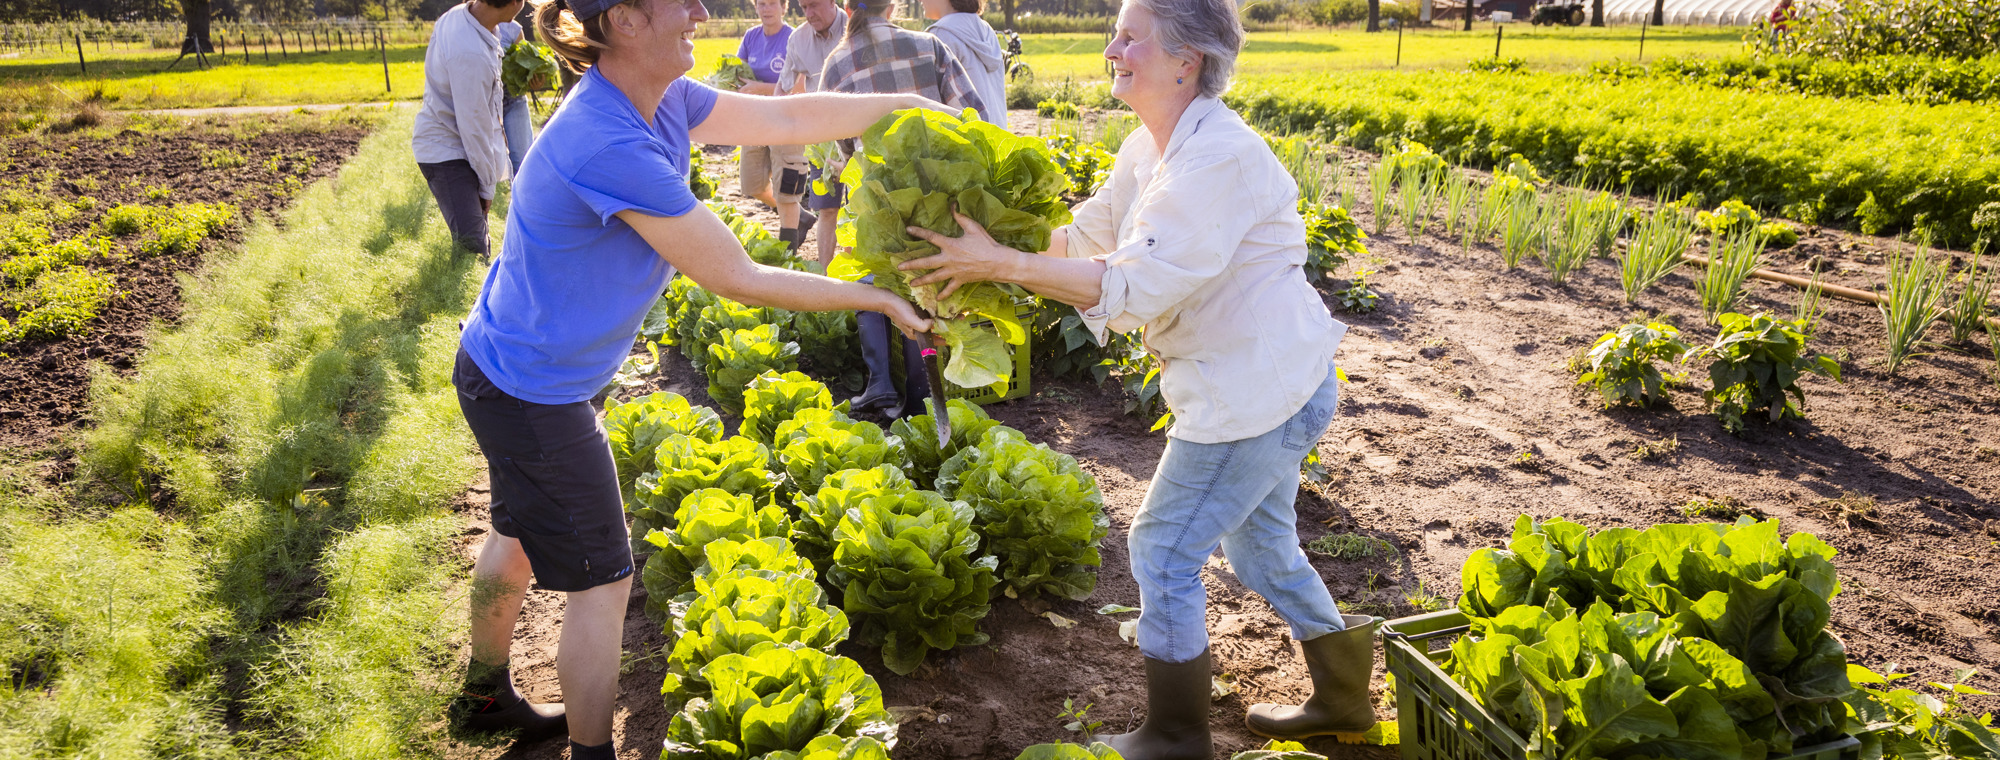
[{"x": 1837, "y": 291}]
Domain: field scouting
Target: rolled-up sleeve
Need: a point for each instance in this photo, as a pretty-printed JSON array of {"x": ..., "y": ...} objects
[
  {"x": 475, "y": 102},
  {"x": 1184, "y": 237}
]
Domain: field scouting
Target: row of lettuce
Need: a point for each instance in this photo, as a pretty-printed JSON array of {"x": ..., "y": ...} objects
[
  {"x": 1686, "y": 641},
  {"x": 1877, "y": 166},
  {"x": 748, "y": 533}
]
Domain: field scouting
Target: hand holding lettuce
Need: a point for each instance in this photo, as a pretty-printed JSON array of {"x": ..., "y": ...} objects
[{"x": 918, "y": 166}]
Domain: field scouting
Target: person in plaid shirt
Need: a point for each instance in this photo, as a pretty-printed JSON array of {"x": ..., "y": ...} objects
[{"x": 879, "y": 57}]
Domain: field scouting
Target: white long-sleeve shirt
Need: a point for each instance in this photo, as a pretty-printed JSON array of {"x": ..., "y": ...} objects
[
  {"x": 462, "y": 97},
  {"x": 1204, "y": 247}
]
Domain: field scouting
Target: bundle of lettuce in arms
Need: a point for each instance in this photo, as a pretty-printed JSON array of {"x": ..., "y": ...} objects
[
  {"x": 685, "y": 464},
  {"x": 730, "y": 73},
  {"x": 816, "y": 443},
  {"x": 638, "y": 427},
  {"x": 968, "y": 424},
  {"x": 917, "y": 166},
  {"x": 526, "y": 67},
  {"x": 746, "y": 612},
  {"x": 740, "y": 356},
  {"x": 907, "y": 562},
  {"x": 819, "y": 512},
  {"x": 1042, "y": 515},
  {"x": 1685, "y": 641},
  {"x": 782, "y": 704},
  {"x": 706, "y": 516}
]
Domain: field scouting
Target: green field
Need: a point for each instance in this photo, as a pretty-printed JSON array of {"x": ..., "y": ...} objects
[
  {"x": 137, "y": 79},
  {"x": 1081, "y": 56}
]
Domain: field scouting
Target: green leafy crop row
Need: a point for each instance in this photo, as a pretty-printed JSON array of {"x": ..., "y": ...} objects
[
  {"x": 915, "y": 567},
  {"x": 1915, "y": 79},
  {"x": 1876, "y": 166}
]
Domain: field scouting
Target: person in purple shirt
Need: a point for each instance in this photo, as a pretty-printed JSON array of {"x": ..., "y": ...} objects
[{"x": 760, "y": 170}]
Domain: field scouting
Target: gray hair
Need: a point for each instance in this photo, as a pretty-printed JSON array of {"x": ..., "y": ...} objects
[{"x": 1208, "y": 27}]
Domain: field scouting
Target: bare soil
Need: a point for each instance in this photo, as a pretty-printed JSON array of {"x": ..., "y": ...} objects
[
  {"x": 1459, "y": 415},
  {"x": 44, "y": 383}
]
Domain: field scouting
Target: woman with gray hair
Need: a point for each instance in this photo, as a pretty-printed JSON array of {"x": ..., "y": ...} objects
[{"x": 1197, "y": 238}]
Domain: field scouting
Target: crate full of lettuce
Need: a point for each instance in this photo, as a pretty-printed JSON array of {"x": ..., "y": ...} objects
[{"x": 1679, "y": 641}]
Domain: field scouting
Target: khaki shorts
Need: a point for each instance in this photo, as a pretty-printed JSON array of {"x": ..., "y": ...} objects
[{"x": 763, "y": 166}]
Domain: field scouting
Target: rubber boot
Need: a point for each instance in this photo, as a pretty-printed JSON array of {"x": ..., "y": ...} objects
[
  {"x": 881, "y": 390},
  {"x": 916, "y": 380},
  {"x": 1176, "y": 725},
  {"x": 1341, "y": 664},
  {"x": 506, "y": 712}
]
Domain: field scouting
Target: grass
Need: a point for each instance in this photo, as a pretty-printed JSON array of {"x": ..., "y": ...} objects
[
  {"x": 137, "y": 79},
  {"x": 273, "y": 577},
  {"x": 1350, "y": 546},
  {"x": 1081, "y": 56}
]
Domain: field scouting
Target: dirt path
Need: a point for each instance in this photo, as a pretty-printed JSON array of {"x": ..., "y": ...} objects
[
  {"x": 249, "y": 110},
  {"x": 1456, "y": 377}
]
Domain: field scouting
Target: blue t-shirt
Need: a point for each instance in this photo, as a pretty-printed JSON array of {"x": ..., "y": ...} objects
[
  {"x": 565, "y": 298},
  {"x": 764, "y": 53}
]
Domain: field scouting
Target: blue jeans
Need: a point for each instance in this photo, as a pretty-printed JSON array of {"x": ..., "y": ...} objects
[
  {"x": 519, "y": 128},
  {"x": 1239, "y": 496}
]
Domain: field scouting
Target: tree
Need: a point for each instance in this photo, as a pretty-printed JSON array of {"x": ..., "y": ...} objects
[
  {"x": 197, "y": 14},
  {"x": 1659, "y": 12},
  {"x": 1007, "y": 10},
  {"x": 1468, "y": 15},
  {"x": 1374, "y": 15},
  {"x": 1596, "y": 12}
]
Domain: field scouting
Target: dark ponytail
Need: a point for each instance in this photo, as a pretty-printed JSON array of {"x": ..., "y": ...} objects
[{"x": 860, "y": 11}]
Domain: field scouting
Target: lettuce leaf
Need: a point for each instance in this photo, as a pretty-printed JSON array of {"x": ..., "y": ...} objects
[
  {"x": 779, "y": 701},
  {"x": 686, "y": 465},
  {"x": 816, "y": 443},
  {"x": 1041, "y": 514},
  {"x": 706, "y": 516},
  {"x": 770, "y": 554},
  {"x": 906, "y": 561},
  {"x": 638, "y": 427},
  {"x": 819, "y": 512},
  {"x": 771, "y": 399},
  {"x": 919, "y": 434},
  {"x": 746, "y": 612},
  {"x": 741, "y": 355}
]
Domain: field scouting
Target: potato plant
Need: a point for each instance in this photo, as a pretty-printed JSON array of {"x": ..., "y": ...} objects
[{"x": 1621, "y": 363}]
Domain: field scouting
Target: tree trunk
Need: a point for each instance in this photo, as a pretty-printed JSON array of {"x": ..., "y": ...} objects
[
  {"x": 1374, "y": 15},
  {"x": 1659, "y": 12},
  {"x": 197, "y": 13},
  {"x": 1007, "y": 10},
  {"x": 1469, "y": 6},
  {"x": 1596, "y": 12}
]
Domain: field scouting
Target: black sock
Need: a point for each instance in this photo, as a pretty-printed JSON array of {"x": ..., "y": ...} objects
[
  {"x": 599, "y": 752},
  {"x": 494, "y": 684}
]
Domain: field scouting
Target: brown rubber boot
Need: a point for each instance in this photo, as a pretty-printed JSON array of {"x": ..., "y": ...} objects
[
  {"x": 1176, "y": 725},
  {"x": 1341, "y": 664}
]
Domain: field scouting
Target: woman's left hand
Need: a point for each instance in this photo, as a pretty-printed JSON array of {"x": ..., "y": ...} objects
[{"x": 963, "y": 260}]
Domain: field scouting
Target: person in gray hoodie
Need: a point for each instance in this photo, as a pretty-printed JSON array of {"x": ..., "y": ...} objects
[{"x": 978, "y": 50}]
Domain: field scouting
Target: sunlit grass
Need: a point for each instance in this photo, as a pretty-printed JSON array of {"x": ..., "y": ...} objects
[
  {"x": 1081, "y": 56},
  {"x": 288, "y": 593}
]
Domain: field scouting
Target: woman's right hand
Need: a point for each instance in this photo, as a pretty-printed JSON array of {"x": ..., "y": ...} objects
[{"x": 903, "y": 313}]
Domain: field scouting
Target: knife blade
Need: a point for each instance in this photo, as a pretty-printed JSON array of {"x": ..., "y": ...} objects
[{"x": 940, "y": 413}]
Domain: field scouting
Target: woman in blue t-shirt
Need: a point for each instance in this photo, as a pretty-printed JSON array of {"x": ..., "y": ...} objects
[{"x": 600, "y": 217}]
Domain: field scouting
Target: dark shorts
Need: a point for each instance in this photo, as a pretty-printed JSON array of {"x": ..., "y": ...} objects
[
  {"x": 555, "y": 487},
  {"x": 835, "y": 191}
]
